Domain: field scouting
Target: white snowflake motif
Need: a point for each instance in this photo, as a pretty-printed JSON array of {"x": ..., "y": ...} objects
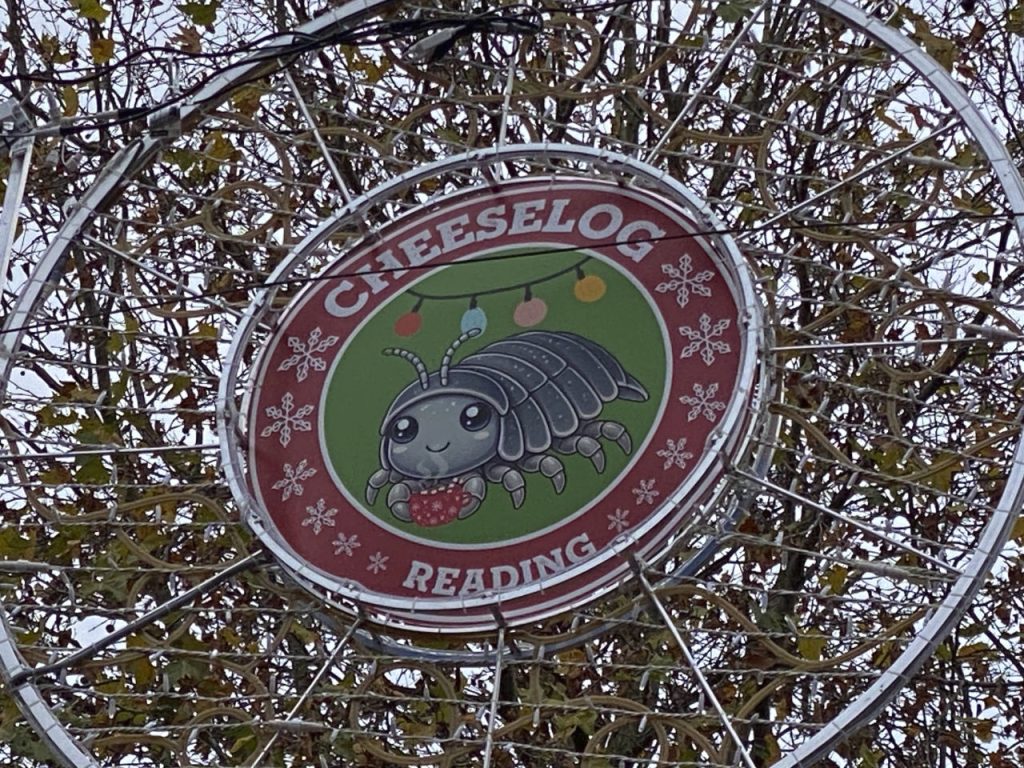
[
  {"x": 703, "y": 402},
  {"x": 287, "y": 418},
  {"x": 683, "y": 281},
  {"x": 319, "y": 516},
  {"x": 346, "y": 545},
  {"x": 307, "y": 353},
  {"x": 703, "y": 341},
  {"x": 675, "y": 453},
  {"x": 291, "y": 483},
  {"x": 378, "y": 562},
  {"x": 645, "y": 493},
  {"x": 618, "y": 520}
]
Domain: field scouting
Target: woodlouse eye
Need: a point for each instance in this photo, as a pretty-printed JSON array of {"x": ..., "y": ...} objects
[
  {"x": 475, "y": 417},
  {"x": 404, "y": 429}
]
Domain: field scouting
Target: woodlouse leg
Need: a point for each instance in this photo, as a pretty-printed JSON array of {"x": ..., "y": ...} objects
[
  {"x": 378, "y": 480},
  {"x": 584, "y": 445},
  {"x": 475, "y": 487},
  {"x": 511, "y": 480},
  {"x": 610, "y": 430},
  {"x": 398, "y": 501},
  {"x": 548, "y": 466}
]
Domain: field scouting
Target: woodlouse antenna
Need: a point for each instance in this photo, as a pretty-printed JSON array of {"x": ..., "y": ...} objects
[
  {"x": 413, "y": 358},
  {"x": 446, "y": 361}
]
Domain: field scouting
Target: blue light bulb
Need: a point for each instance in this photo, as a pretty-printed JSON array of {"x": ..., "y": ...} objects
[{"x": 473, "y": 318}]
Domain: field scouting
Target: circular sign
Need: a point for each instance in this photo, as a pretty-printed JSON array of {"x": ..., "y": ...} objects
[{"x": 485, "y": 410}]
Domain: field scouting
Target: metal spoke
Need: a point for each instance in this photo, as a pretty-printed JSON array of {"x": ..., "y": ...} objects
[
  {"x": 507, "y": 101},
  {"x": 868, "y": 529},
  {"x": 495, "y": 697},
  {"x": 342, "y": 644},
  {"x": 830, "y": 192},
  {"x": 186, "y": 597},
  {"x": 110, "y": 450},
  {"x": 191, "y": 292},
  {"x": 991, "y": 335},
  {"x": 315, "y": 129},
  {"x": 724, "y": 60},
  {"x": 20, "y": 156},
  {"x": 904, "y": 573},
  {"x": 705, "y": 686}
]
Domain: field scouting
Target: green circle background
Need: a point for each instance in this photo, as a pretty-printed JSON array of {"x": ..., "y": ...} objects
[{"x": 364, "y": 383}]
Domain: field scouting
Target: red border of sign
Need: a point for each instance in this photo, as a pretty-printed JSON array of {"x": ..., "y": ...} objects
[{"x": 377, "y": 566}]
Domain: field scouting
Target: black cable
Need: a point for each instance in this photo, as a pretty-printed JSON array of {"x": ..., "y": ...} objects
[
  {"x": 290, "y": 51},
  {"x": 335, "y": 275},
  {"x": 103, "y": 70},
  {"x": 372, "y": 33},
  {"x": 400, "y": 28}
]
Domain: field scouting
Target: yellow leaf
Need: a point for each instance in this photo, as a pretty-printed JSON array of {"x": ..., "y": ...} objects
[
  {"x": 188, "y": 39},
  {"x": 882, "y": 115},
  {"x": 205, "y": 331},
  {"x": 243, "y": 745},
  {"x": 771, "y": 748},
  {"x": 70, "y": 97},
  {"x": 90, "y": 9},
  {"x": 230, "y": 637},
  {"x": 15, "y": 547},
  {"x": 811, "y": 645},
  {"x": 883, "y": 655},
  {"x": 218, "y": 149},
  {"x": 869, "y": 758},
  {"x": 945, "y": 465},
  {"x": 202, "y": 14},
  {"x": 973, "y": 649},
  {"x": 102, "y": 50},
  {"x": 142, "y": 670},
  {"x": 360, "y": 63},
  {"x": 247, "y": 100},
  {"x": 942, "y": 50},
  {"x": 836, "y": 579},
  {"x": 858, "y": 326},
  {"x": 572, "y": 662}
]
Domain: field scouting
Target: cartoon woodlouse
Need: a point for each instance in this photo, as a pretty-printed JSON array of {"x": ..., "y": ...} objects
[{"x": 497, "y": 413}]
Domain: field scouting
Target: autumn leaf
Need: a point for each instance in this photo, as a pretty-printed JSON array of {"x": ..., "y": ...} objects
[
  {"x": 811, "y": 645},
  {"x": 102, "y": 50},
  {"x": 201, "y": 14},
  {"x": 734, "y": 11},
  {"x": 1018, "y": 530},
  {"x": 70, "y": 98},
  {"x": 188, "y": 39},
  {"x": 835, "y": 579},
  {"x": 246, "y": 100},
  {"x": 90, "y": 9},
  {"x": 942, "y": 50}
]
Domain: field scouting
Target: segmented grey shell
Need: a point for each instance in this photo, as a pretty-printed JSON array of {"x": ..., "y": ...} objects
[
  {"x": 544, "y": 385},
  {"x": 554, "y": 381}
]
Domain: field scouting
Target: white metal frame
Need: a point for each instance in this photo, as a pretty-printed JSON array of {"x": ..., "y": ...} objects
[
  {"x": 732, "y": 437},
  {"x": 857, "y": 712}
]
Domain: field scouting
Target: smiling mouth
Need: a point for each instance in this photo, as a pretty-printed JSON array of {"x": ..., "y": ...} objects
[{"x": 438, "y": 450}]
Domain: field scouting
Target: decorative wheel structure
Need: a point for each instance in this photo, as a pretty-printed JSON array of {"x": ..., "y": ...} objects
[{"x": 629, "y": 385}]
